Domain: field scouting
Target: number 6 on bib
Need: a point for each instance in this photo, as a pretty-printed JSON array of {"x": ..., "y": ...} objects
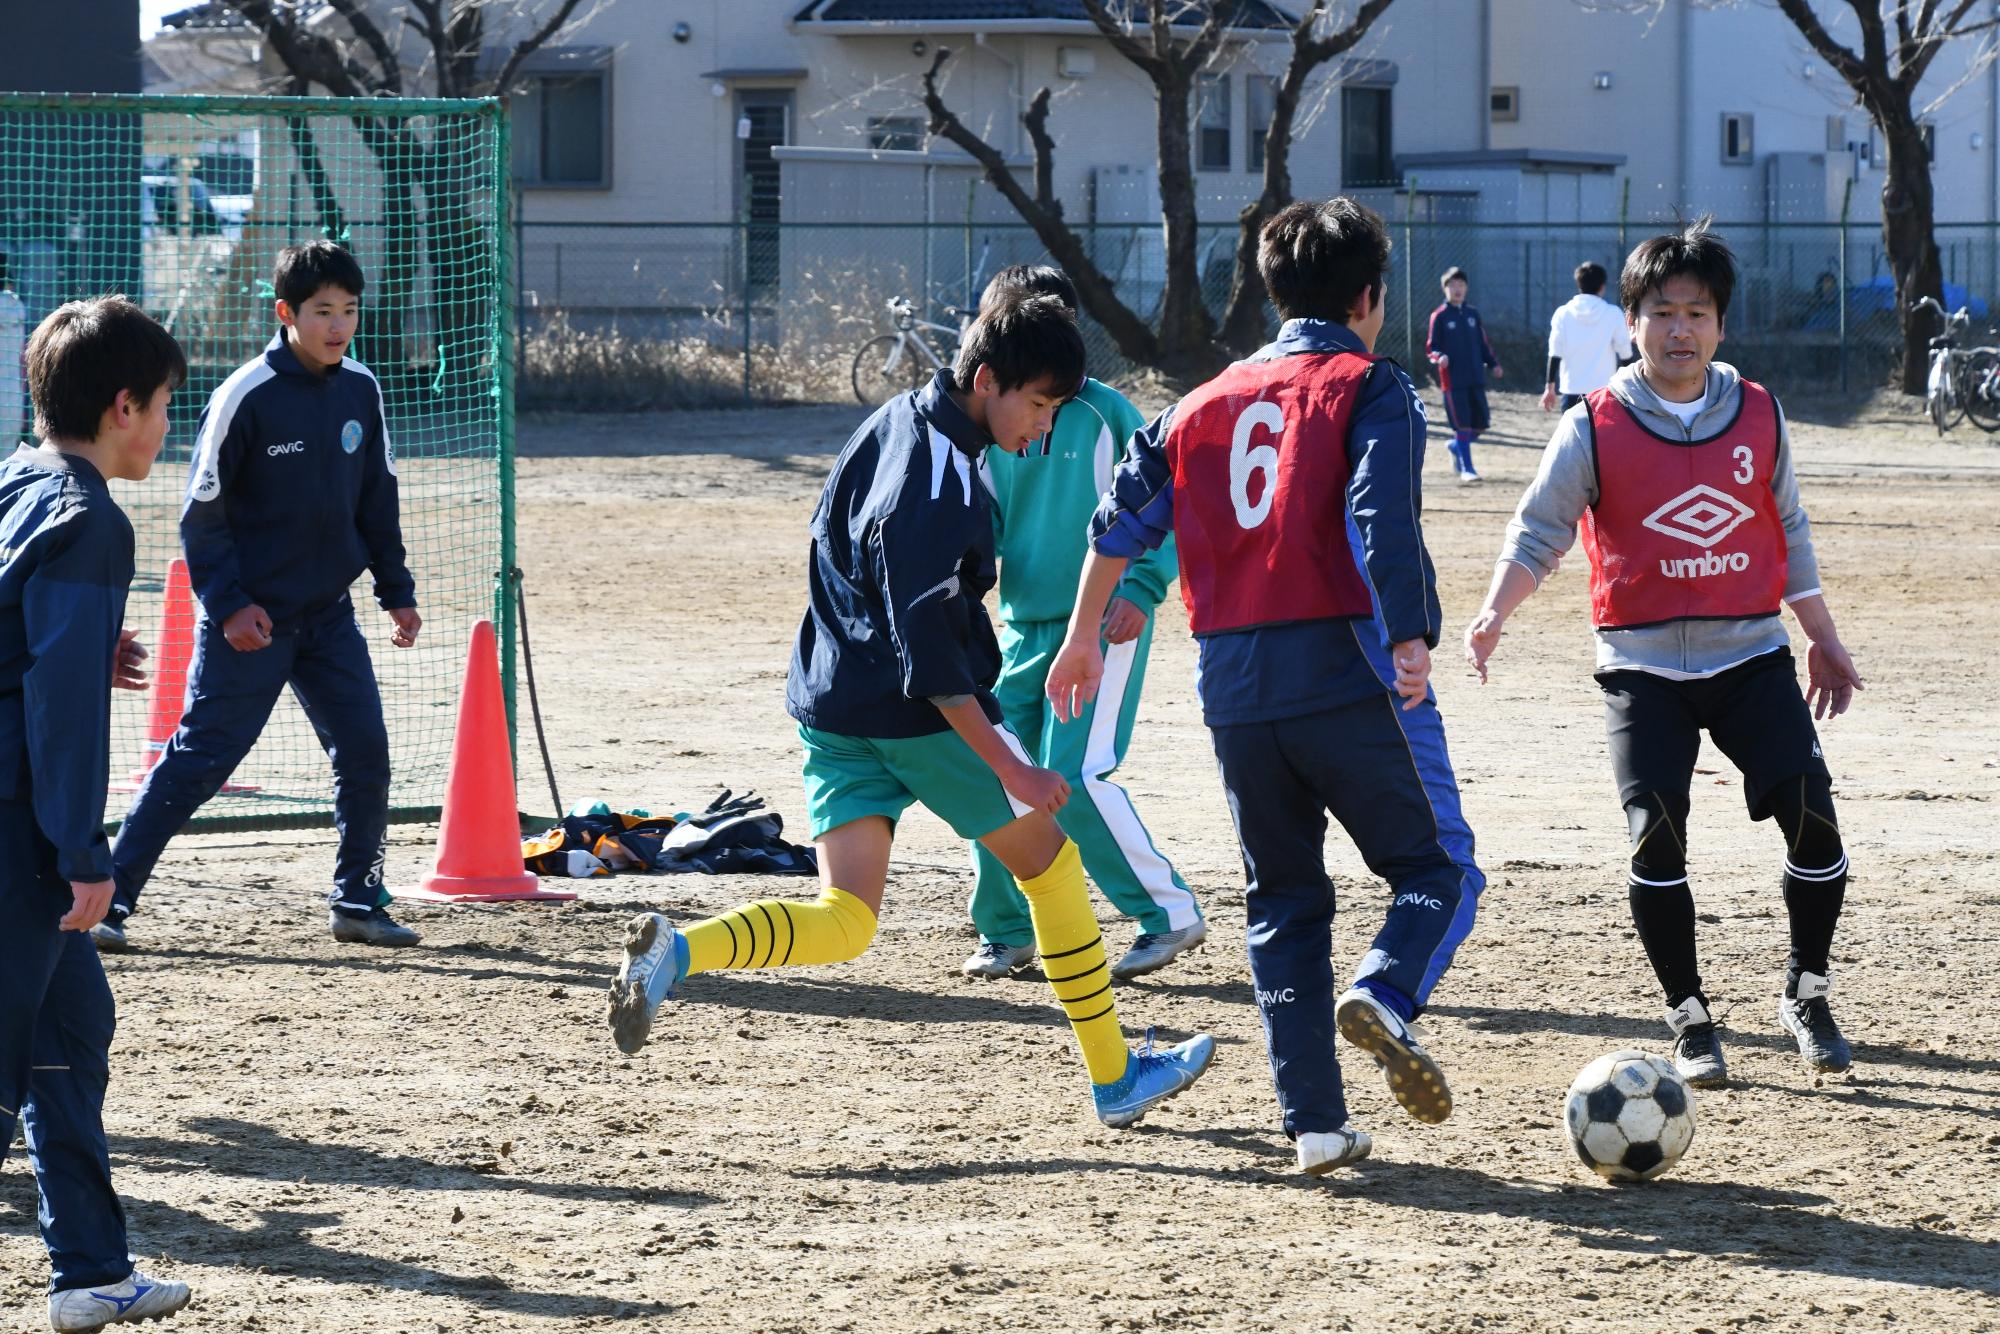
[{"x": 1259, "y": 512}]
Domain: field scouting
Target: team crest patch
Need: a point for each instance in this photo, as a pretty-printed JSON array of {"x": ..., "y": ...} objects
[{"x": 350, "y": 436}]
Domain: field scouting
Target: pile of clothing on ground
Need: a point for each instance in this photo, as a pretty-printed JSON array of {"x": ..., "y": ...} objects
[{"x": 733, "y": 835}]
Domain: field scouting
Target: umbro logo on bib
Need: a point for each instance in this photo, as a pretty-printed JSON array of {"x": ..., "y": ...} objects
[{"x": 1700, "y": 515}]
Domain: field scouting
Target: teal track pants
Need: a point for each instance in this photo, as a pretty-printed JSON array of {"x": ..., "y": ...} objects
[{"x": 1117, "y": 851}]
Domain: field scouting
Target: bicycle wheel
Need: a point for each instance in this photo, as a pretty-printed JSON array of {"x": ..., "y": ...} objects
[
  {"x": 1948, "y": 403},
  {"x": 885, "y": 367},
  {"x": 1979, "y": 386}
]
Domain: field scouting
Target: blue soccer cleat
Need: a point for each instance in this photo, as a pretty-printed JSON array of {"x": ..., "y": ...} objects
[
  {"x": 656, "y": 959},
  {"x": 1150, "y": 1078}
]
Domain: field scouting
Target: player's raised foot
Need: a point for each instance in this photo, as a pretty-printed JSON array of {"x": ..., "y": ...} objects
[
  {"x": 993, "y": 959},
  {"x": 1415, "y": 1080},
  {"x": 656, "y": 959},
  {"x": 374, "y": 927},
  {"x": 1806, "y": 1017},
  {"x": 1154, "y": 950},
  {"x": 1697, "y": 1046},
  {"x": 1467, "y": 477},
  {"x": 1151, "y": 1077},
  {"x": 138, "y": 1297},
  {"x": 110, "y": 935},
  {"x": 1321, "y": 1152}
]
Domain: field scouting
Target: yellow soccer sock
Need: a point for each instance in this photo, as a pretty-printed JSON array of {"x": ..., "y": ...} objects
[
  {"x": 775, "y": 933},
  {"x": 1072, "y": 951}
]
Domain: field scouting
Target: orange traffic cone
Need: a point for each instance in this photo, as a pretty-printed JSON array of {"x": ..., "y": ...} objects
[
  {"x": 173, "y": 652},
  {"x": 479, "y": 836}
]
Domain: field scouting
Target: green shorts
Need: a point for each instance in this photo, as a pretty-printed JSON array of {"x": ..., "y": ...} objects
[{"x": 848, "y": 777}]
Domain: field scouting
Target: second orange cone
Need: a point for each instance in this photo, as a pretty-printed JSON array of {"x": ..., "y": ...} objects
[{"x": 479, "y": 835}]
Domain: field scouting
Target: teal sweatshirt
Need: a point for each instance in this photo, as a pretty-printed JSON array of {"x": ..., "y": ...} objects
[{"x": 1042, "y": 503}]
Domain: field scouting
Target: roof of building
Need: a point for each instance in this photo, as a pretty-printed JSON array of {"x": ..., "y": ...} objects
[{"x": 1014, "y": 13}]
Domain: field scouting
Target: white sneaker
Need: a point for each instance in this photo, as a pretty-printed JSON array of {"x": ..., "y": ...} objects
[
  {"x": 1150, "y": 953},
  {"x": 1321, "y": 1152},
  {"x": 1468, "y": 478},
  {"x": 993, "y": 960},
  {"x": 137, "y": 1298}
]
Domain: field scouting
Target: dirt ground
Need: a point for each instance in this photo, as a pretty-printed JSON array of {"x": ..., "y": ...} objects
[{"x": 444, "y": 1139}]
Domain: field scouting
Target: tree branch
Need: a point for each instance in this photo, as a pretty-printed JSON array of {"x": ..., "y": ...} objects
[
  {"x": 1843, "y": 61},
  {"x": 1120, "y": 37},
  {"x": 432, "y": 28},
  {"x": 1037, "y": 121},
  {"x": 1134, "y": 339},
  {"x": 534, "y": 42},
  {"x": 391, "y": 78}
]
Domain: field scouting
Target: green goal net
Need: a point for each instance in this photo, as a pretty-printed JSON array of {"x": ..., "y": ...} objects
[{"x": 183, "y": 203}]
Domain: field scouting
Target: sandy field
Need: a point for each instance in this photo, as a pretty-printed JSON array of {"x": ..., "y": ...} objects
[{"x": 444, "y": 1139}]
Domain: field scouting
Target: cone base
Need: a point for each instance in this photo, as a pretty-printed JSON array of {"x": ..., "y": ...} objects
[{"x": 483, "y": 889}]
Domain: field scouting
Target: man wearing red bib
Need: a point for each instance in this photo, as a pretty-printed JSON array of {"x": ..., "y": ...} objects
[
  {"x": 1290, "y": 483},
  {"x": 1679, "y": 473}
]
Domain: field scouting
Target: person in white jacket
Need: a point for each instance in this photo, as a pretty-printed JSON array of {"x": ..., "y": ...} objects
[{"x": 1588, "y": 340}]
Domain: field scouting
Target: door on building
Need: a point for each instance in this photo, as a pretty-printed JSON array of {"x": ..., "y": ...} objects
[{"x": 763, "y": 121}]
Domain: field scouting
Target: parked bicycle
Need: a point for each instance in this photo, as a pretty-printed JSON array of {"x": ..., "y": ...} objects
[
  {"x": 895, "y": 363},
  {"x": 1962, "y": 382}
]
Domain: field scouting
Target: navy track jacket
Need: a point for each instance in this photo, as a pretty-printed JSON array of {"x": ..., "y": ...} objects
[
  {"x": 902, "y": 553},
  {"x": 1272, "y": 672},
  {"x": 292, "y": 492},
  {"x": 65, "y": 566}
]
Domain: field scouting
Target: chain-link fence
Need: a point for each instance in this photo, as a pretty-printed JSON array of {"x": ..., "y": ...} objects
[
  {"x": 183, "y": 203},
  {"x": 680, "y": 314}
]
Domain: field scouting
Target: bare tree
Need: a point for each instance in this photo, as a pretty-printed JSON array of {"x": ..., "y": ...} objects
[
  {"x": 355, "y": 57},
  {"x": 1899, "y": 43},
  {"x": 1188, "y": 343}
]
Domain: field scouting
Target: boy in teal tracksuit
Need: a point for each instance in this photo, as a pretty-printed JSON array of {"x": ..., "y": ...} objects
[{"x": 1042, "y": 502}]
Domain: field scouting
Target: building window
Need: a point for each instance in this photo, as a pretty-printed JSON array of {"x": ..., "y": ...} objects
[
  {"x": 1260, "y": 102},
  {"x": 562, "y": 130},
  {"x": 1504, "y": 103},
  {"x": 1736, "y": 139},
  {"x": 1212, "y": 123},
  {"x": 903, "y": 133},
  {"x": 1366, "y": 157}
]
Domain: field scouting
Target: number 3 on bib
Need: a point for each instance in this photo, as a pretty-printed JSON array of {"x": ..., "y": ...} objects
[{"x": 1247, "y": 460}]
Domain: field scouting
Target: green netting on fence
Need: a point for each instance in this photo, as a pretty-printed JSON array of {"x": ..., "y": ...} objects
[{"x": 183, "y": 203}]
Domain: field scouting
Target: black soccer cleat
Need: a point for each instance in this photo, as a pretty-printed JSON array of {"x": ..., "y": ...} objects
[
  {"x": 1808, "y": 1018},
  {"x": 1697, "y": 1046}
]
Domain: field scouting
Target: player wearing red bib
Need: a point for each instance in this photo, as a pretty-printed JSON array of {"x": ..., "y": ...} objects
[
  {"x": 1290, "y": 483},
  {"x": 1680, "y": 474}
]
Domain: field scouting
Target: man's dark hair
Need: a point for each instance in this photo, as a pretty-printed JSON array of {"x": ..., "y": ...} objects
[
  {"x": 1454, "y": 272},
  {"x": 304, "y": 269},
  {"x": 1590, "y": 277},
  {"x": 1316, "y": 259},
  {"x": 85, "y": 352},
  {"x": 1025, "y": 341},
  {"x": 1694, "y": 250},
  {"x": 1022, "y": 280}
]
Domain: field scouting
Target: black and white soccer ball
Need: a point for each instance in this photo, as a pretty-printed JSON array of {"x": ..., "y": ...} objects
[{"x": 1629, "y": 1115}]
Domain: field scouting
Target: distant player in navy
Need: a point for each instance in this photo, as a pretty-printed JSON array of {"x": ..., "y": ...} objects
[
  {"x": 1588, "y": 340},
  {"x": 100, "y": 374},
  {"x": 1457, "y": 345},
  {"x": 1290, "y": 483},
  {"x": 291, "y": 495},
  {"x": 1680, "y": 474}
]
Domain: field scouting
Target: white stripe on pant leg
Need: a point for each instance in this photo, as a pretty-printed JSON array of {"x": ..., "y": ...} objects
[
  {"x": 1114, "y": 805},
  {"x": 1014, "y": 744}
]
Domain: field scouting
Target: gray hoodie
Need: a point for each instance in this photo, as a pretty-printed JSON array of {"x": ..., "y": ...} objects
[{"x": 1544, "y": 527}]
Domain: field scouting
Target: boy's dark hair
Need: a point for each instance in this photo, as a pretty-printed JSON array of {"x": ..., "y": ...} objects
[
  {"x": 1316, "y": 259},
  {"x": 85, "y": 352},
  {"x": 1454, "y": 272},
  {"x": 304, "y": 269},
  {"x": 1019, "y": 280},
  {"x": 1590, "y": 277},
  {"x": 1694, "y": 250},
  {"x": 1023, "y": 341}
]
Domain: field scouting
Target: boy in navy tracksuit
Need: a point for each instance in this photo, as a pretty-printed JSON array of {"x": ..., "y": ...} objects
[
  {"x": 1457, "y": 345},
  {"x": 100, "y": 374},
  {"x": 1290, "y": 483},
  {"x": 291, "y": 495}
]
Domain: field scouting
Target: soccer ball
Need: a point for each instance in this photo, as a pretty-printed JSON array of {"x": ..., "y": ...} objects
[{"x": 1630, "y": 1116}]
